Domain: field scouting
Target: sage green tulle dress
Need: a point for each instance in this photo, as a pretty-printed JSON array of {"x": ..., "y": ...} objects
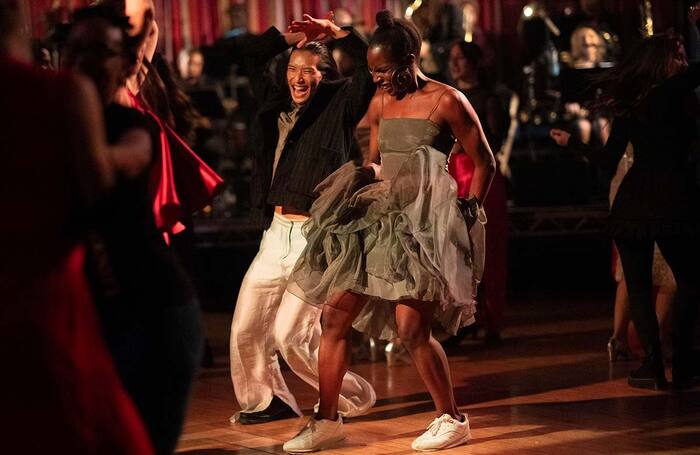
[{"x": 399, "y": 238}]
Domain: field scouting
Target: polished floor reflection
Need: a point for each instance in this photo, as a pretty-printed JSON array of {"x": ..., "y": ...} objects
[{"x": 549, "y": 389}]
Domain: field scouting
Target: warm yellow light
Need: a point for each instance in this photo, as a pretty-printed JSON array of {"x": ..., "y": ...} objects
[
  {"x": 412, "y": 8},
  {"x": 528, "y": 11}
]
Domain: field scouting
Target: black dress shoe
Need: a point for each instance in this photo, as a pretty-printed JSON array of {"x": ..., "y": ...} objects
[
  {"x": 277, "y": 410},
  {"x": 651, "y": 374}
]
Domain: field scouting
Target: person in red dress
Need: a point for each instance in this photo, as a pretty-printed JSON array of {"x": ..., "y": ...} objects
[{"x": 55, "y": 165}]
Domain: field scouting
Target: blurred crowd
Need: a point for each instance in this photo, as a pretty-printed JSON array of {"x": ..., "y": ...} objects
[{"x": 520, "y": 89}]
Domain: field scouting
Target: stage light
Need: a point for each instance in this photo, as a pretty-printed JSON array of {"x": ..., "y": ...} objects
[
  {"x": 528, "y": 11},
  {"x": 412, "y": 8}
]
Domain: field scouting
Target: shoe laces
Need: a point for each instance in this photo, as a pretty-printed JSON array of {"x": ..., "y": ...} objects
[
  {"x": 309, "y": 427},
  {"x": 434, "y": 426}
]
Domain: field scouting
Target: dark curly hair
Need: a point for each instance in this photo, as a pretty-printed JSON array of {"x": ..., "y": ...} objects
[{"x": 399, "y": 35}]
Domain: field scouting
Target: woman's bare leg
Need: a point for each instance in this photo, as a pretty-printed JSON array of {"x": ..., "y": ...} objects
[
  {"x": 334, "y": 351},
  {"x": 414, "y": 321},
  {"x": 664, "y": 301},
  {"x": 621, "y": 316}
]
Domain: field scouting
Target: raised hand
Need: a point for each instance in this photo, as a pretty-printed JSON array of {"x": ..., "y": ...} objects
[{"x": 313, "y": 28}]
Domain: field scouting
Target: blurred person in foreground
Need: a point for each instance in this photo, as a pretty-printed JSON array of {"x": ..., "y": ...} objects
[
  {"x": 56, "y": 166},
  {"x": 146, "y": 302}
]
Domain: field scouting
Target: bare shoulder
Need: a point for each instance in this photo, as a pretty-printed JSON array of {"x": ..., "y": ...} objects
[
  {"x": 452, "y": 102},
  {"x": 375, "y": 106}
]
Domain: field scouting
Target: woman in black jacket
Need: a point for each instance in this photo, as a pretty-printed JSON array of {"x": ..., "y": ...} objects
[{"x": 649, "y": 94}]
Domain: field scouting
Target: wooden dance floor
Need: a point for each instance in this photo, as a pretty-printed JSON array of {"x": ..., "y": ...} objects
[{"x": 548, "y": 390}]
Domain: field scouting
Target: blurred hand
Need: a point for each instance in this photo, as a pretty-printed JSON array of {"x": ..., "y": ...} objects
[
  {"x": 572, "y": 108},
  {"x": 313, "y": 28},
  {"x": 694, "y": 14},
  {"x": 377, "y": 170},
  {"x": 561, "y": 137}
]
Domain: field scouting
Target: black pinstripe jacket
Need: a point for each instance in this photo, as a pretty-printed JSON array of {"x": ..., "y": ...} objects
[{"x": 322, "y": 137}]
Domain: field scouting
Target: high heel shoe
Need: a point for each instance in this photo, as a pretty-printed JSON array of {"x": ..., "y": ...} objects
[{"x": 616, "y": 351}]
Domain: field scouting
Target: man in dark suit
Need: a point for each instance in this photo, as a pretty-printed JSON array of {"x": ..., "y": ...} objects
[{"x": 301, "y": 133}]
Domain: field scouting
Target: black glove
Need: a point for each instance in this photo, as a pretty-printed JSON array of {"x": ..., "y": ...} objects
[{"x": 470, "y": 210}]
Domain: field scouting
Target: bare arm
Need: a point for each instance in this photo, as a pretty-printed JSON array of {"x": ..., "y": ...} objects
[
  {"x": 507, "y": 147},
  {"x": 465, "y": 126},
  {"x": 149, "y": 35},
  {"x": 373, "y": 116},
  {"x": 91, "y": 161},
  {"x": 133, "y": 152},
  {"x": 607, "y": 156},
  {"x": 257, "y": 57},
  {"x": 361, "y": 88},
  {"x": 313, "y": 28}
]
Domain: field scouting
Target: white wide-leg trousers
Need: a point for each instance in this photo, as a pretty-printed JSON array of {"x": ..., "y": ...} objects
[{"x": 268, "y": 319}]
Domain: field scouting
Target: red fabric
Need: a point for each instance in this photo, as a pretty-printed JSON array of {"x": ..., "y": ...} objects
[
  {"x": 263, "y": 19},
  {"x": 215, "y": 21},
  {"x": 492, "y": 291},
  {"x": 289, "y": 9},
  {"x": 58, "y": 368},
  {"x": 181, "y": 183},
  {"x": 195, "y": 25},
  {"x": 176, "y": 27},
  {"x": 307, "y": 7}
]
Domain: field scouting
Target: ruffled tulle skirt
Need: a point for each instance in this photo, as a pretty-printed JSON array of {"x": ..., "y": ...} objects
[{"x": 392, "y": 240}]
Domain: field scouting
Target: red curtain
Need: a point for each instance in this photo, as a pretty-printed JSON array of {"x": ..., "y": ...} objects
[
  {"x": 498, "y": 17},
  {"x": 40, "y": 10}
]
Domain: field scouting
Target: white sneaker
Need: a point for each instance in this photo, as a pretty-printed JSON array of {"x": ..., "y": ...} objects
[
  {"x": 316, "y": 435},
  {"x": 443, "y": 433}
]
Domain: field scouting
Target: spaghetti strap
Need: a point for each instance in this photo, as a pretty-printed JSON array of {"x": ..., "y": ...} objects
[
  {"x": 381, "y": 114},
  {"x": 436, "y": 103}
]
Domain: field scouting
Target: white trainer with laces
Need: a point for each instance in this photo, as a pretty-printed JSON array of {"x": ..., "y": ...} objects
[
  {"x": 316, "y": 435},
  {"x": 443, "y": 433}
]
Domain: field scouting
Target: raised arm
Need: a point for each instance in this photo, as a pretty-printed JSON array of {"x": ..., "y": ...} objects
[
  {"x": 507, "y": 146},
  {"x": 90, "y": 159},
  {"x": 361, "y": 88},
  {"x": 257, "y": 57},
  {"x": 466, "y": 128},
  {"x": 373, "y": 116},
  {"x": 607, "y": 156}
]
